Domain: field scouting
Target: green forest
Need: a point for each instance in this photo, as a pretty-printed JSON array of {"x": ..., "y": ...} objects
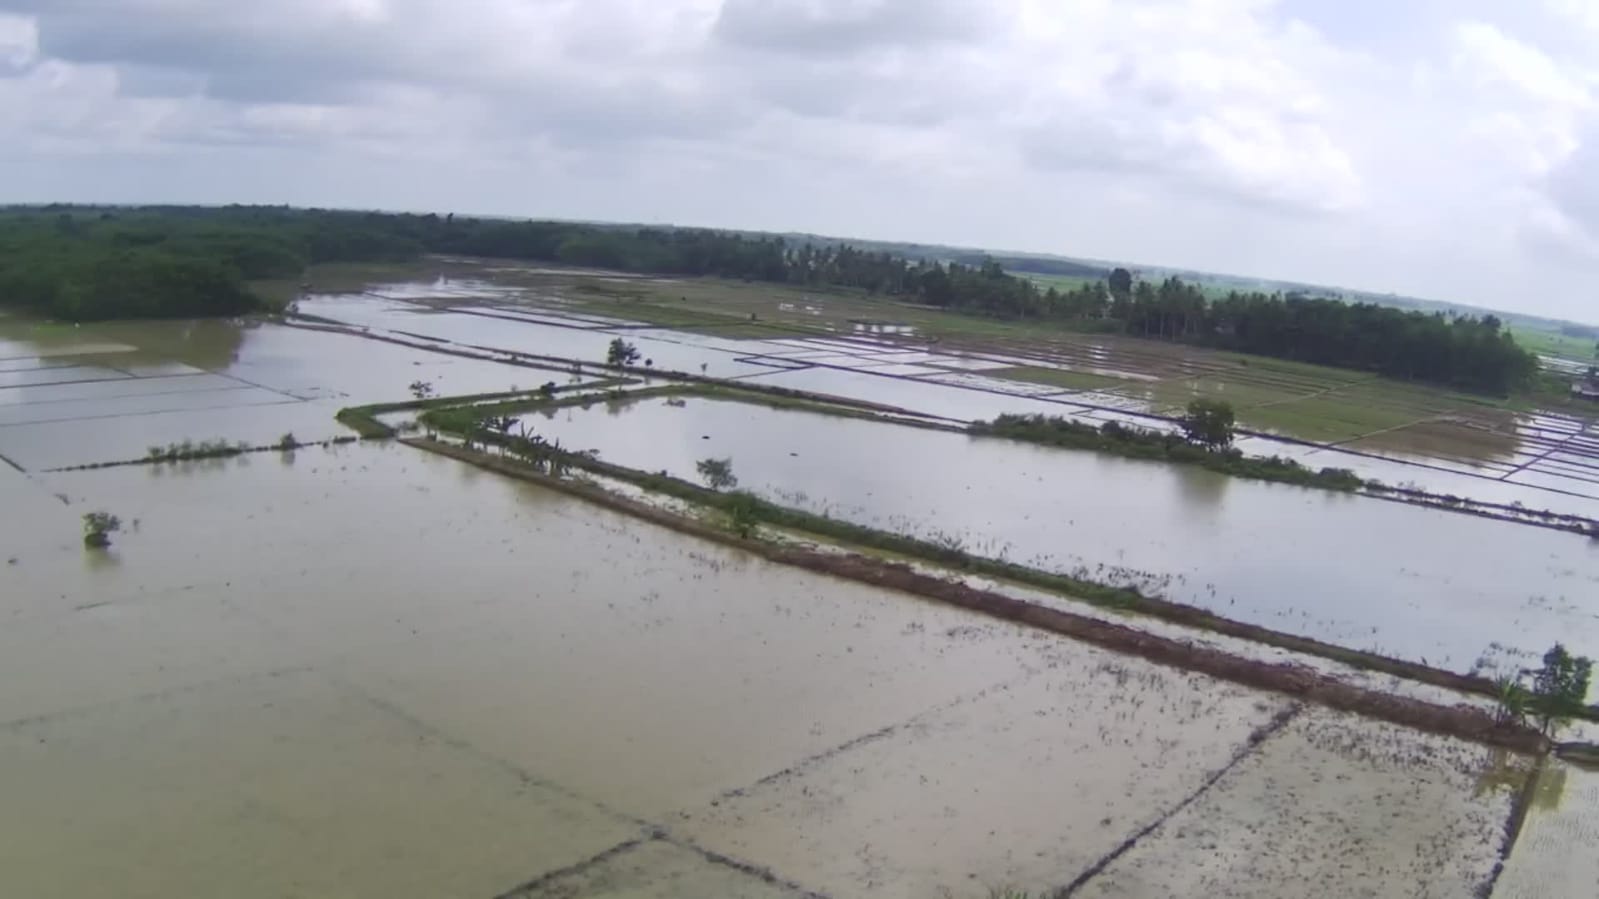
[{"x": 86, "y": 263}]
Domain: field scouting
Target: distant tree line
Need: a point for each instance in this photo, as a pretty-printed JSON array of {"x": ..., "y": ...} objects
[
  {"x": 84, "y": 263},
  {"x": 1463, "y": 351}
]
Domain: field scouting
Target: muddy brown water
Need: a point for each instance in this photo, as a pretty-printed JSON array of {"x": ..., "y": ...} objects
[{"x": 367, "y": 671}]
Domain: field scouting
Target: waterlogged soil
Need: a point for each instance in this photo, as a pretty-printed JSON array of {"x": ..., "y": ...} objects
[
  {"x": 1330, "y": 800},
  {"x": 992, "y": 789},
  {"x": 1417, "y": 583},
  {"x": 370, "y": 671},
  {"x": 1554, "y": 855}
]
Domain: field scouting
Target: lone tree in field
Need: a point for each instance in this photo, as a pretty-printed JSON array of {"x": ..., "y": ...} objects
[
  {"x": 621, "y": 353},
  {"x": 1120, "y": 283},
  {"x": 98, "y": 528},
  {"x": 718, "y": 473},
  {"x": 1560, "y": 687},
  {"x": 1209, "y": 423}
]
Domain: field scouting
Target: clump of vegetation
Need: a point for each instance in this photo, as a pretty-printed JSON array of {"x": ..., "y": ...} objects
[
  {"x": 1209, "y": 423},
  {"x": 717, "y": 473},
  {"x": 1560, "y": 687},
  {"x": 621, "y": 354},
  {"x": 421, "y": 389},
  {"x": 1558, "y": 692},
  {"x": 547, "y": 389},
  {"x": 1513, "y": 700},
  {"x": 98, "y": 528},
  {"x": 186, "y": 450},
  {"x": 1142, "y": 443},
  {"x": 288, "y": 443},
  {"x": 744, "y": 512}
]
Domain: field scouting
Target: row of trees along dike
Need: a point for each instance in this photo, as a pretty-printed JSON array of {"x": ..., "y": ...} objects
[
  {"x": 1205, "y": 439},
  {"x": 84, "y": 263}
]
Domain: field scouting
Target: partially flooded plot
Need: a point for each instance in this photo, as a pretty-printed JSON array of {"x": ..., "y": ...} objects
[
  {"x": 1356, "y": 571},
  {"x": 1030, "y": 783},
  {"x": 1331, "y": 806},
  {"x": 1554, "y": 855}
]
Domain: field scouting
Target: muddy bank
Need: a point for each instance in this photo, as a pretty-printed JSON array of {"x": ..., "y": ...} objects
[{"x": 1461, "y": 721}]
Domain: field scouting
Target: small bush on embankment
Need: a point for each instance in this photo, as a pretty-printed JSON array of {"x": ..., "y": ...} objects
[
  {"x": 1158, "y": 446},
  {"x": 189, "y": 450}
]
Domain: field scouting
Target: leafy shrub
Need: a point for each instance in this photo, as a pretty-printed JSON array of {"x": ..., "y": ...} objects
[{"x": 98, "y": 528}]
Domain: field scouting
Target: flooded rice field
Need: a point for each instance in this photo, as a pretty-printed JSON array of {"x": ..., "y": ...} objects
[
  {"x": 1413, "y": 582},
  {"x": 367, "y": 671},
  {"x": 1388, "y": 432},
  {"x": 74, "y": 398}
]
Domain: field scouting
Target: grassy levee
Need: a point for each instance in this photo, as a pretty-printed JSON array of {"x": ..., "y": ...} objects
[
  {"x": 209, "y": 450},
  {"x": 364, "y": 419},
  {"x": 1461, "y": 721},
  {"x": 1137, "y": 443},
  {"x": 448, "y": 416}
]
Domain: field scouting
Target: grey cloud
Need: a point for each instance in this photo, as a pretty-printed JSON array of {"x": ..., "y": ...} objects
[
  {"x": 241, "y": 52},
  {"x": 1573, "y": 186},
  {"x": 142, "y": 81},
  {"x": 840, "y": 27}
]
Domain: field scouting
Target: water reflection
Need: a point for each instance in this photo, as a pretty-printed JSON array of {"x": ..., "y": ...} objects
[
  {"x": 1200, "y": 488},
  {"x": 210, "y": 344},
  {"x": 1550, "y": 787},
  {"x": 98, "y": 561}
]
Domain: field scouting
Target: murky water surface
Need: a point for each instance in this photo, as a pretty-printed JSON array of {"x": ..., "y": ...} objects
[
  {"x": 366, "y": 671},
  {"x": 1352, "y": 570},
  {"x": 1531, "y": 468}
]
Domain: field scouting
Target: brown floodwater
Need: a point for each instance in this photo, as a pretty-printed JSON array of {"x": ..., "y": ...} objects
[{"x": 368, "y": 671}]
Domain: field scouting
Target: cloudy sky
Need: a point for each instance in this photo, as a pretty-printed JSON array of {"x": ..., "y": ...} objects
[{"x": 1441, "y": 148}]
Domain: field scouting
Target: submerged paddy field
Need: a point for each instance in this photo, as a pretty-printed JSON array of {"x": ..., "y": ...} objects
[
  {"x": 370, "y": 670},
  {"x": 1330, "y": 416}
]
